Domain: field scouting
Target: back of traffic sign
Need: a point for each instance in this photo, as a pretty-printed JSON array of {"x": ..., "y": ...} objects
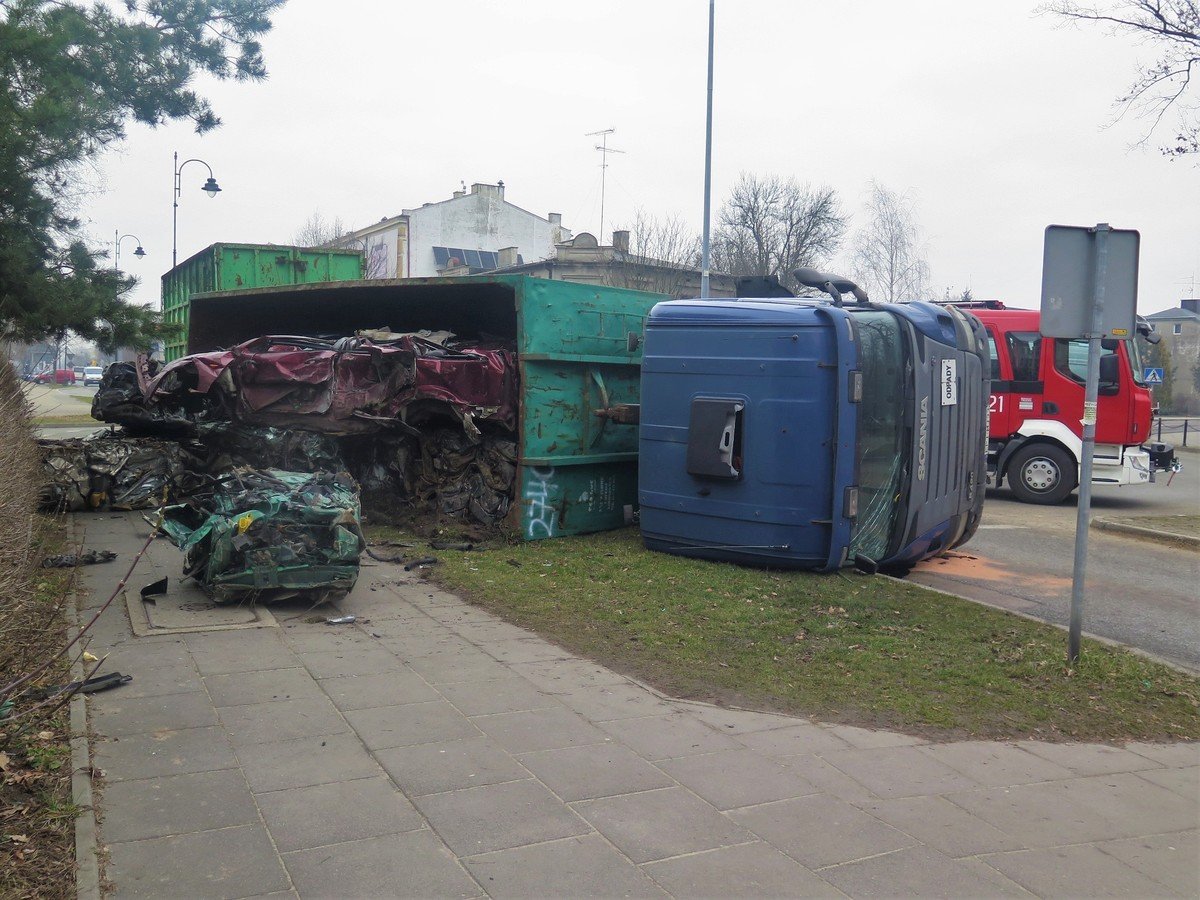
[{"x": 1071, "y": 260}]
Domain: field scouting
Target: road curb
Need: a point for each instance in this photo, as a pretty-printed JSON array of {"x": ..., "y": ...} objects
[
  {"x": 87, "y": 862},
  {"x": 1170, "y": 538},
  {"x": 1108, "y": 642}
]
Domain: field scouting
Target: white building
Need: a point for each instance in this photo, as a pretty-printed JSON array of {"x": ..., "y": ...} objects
[{"x": 468, "y": 230}]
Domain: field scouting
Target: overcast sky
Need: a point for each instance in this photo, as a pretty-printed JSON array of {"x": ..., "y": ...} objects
[{"x": 995, "y": 120}]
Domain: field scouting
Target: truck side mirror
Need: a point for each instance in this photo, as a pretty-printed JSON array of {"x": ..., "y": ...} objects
[{"x": 1110, "y": 373}]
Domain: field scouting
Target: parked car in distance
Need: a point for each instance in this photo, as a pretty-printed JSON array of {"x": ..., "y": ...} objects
[
  {"x": 93, "y": 374},
  {"x": 78, "y": 370},
  {"x": 55, "y": 376}
]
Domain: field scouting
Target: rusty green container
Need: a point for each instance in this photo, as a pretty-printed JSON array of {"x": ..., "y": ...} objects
[
  {"x": 578, "y": 347},
  {"x": 224, "y": 267}
]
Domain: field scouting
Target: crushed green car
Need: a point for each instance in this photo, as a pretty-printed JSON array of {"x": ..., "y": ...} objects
[{"x": 258, "y": 535}]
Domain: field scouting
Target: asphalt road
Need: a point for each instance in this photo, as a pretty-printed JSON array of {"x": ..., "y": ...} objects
[{"x": 1140, "y": 593}]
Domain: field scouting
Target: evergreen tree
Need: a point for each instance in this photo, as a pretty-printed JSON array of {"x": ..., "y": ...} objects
[{"x": 72, "y": 76}]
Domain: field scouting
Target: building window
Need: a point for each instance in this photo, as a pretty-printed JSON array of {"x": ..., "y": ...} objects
[{"x": 1177, "y": 328}]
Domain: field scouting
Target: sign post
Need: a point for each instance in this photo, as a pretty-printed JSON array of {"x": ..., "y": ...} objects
[{"x": 1089, "y": 290}]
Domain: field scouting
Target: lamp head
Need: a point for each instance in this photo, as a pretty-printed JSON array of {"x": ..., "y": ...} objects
[
  {"x": 211, "y": 187},
  {"x": 139, "y": 252}
]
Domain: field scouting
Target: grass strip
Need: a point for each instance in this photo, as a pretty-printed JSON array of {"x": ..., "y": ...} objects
[{"x": 842, "y": 648}]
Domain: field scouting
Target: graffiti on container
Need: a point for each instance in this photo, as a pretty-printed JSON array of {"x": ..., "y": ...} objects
[{"x": 538, "y": 489}]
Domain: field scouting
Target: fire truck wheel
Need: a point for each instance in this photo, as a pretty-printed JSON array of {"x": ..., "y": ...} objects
[{"x": 1041, "y": 473}]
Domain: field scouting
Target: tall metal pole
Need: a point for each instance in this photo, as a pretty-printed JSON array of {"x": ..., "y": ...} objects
[
  {"x": 1091, "y": 390},
  {"x": 705, "y": 247},
  {"x": 175, "y": 210},
  {"x": 603, "y": 178},
  {"x": 116, "y": 249}
]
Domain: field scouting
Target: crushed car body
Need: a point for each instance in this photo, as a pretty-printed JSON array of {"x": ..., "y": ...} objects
[{"x": 269, "y": 535}]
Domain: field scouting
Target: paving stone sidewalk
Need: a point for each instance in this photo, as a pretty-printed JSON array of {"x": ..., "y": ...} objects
[{"x": 436, "y": 751}]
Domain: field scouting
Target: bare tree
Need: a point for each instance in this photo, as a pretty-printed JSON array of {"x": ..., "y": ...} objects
[
  {"x": 1173, "y": 28},
  {"x": 887, "y": 257},
  {"x": 663, "y": 256},
  {"x": 772, "y": 226},
  {"x": 317, "y": 231}
]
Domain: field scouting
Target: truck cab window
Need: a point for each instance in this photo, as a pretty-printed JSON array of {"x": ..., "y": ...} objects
[
  {"x": 1070, "y": 358},
  {"x": 994, "y": 359},
  {"x": 1024, "y": 353},
  {"x": 883, "y": 448}
]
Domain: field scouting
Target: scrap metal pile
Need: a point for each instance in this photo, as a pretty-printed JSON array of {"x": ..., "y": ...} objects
[
  {"x": 114, "y": 472},
  {"x": 423, "y": 423},
  {"x": 270, "y": 534}
]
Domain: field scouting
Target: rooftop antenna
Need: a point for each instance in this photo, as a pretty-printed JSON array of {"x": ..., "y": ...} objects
[
  {"x": 604, "y": 151},
  {"x": 1191, "y": 284}
]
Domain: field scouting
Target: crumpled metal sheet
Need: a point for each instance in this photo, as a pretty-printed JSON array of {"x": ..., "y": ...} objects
[
  {"x": 269, "y": 534},
  {"x": 114, "y": 471},
  {"x": 352, "y": 385},
  {"x": 264, "y": 447}
]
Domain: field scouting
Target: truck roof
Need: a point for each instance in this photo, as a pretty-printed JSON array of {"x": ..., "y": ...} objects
[{"x": 1010, "y": 319}]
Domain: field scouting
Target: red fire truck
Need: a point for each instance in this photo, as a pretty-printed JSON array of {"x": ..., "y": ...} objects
[{"x": 1035, "y": 434}]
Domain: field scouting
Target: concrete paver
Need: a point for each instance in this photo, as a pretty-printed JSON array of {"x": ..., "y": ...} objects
[
  {"x": 158, "y": 753},
  {"x": 381, "y": 727},
  {"x": 499, "y": 816},
  {"x": 991, "y": 763},
  {"x": 585, "y": 866},
  {"x": 594, "y": 770},
  {"x": 300, "y": 818},
  {"x": 151, "y": 807},
  {"x": 449, "y": 766},
  {"x": 1082, "y": 871},
  {"x": 226, "y": 863},
  {"x": 506, "y": 695},
  {"x": 658, "y": 824},
  {"x": 437, "y": 751},
  {"x": 372, "y": 691},
  {"x": 414, "y": 864},
  {"x": 939, "y": 824},
  {"x": 279, "y": 720},
  {"x": 731, "y": 778},
  {"x": 668, "y": 737},
  {"x": 742, "y": 870},
  {"x": 912, "y": 872},
  {"x": 1172, "y": 859},
  {"x": 305, "y": 761},
  {"x": 821, "y": 831},
  {"x": 899, "y": 771},
  {"x": 539, "y": 729}
]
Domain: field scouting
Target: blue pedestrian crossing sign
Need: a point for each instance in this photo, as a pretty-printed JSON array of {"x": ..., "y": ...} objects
[{"x": 1152, "y": 376}]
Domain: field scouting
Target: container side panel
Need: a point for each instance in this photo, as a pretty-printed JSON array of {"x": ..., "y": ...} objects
[
  {"x": 580, "y": 350},
  {"x": 563, "y": 319},
  {"x": 560, "y": 399},
  {"x": 556, "y": 501}
]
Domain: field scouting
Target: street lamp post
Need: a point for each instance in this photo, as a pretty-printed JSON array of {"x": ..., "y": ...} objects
[
  {"x": 139, "y": 252},
  {"x": 210, "y": 187},
  {"x": 705, "y": 244}
]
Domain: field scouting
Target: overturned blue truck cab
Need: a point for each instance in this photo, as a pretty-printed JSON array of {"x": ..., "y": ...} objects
[{"x": 800, "y": 433}]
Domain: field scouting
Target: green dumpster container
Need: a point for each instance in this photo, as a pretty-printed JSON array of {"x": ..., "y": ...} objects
[
  {"x": 222, "y": 267},
  {"x": 578, "y": 348}
]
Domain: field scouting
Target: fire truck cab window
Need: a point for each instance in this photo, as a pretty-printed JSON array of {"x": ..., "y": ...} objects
[
  {"x": 995, "y": 360},
  {"x": 1024, "y": 349},
  {"x": 1070, "y": 358}
]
